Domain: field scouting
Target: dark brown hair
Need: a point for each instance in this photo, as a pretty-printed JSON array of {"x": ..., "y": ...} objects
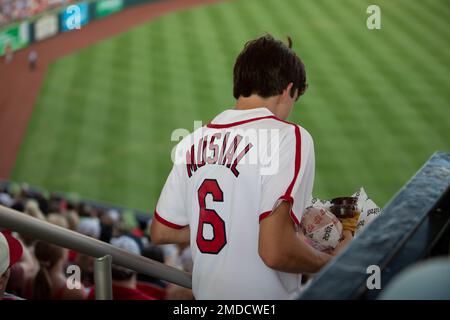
[
  {"x": 48, "y": 255},
  {"x": 265, "y": 67}
]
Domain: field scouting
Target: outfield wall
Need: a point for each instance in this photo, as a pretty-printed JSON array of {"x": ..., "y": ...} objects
[{"x": 72, "y": 17}]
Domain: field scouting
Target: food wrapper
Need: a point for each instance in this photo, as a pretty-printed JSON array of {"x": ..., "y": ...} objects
[
  {"x": 366, "y": 206},
  {"x": 369, "y": 210},
  {"x": 321, "y": 228}
]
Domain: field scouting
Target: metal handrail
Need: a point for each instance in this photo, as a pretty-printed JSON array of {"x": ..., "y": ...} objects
[
  {"x": 42, "y": 230},
  {"x": 103, "y": 278}
]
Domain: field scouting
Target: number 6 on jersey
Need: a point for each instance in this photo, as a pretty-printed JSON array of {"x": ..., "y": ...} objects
[{"x": 210, "y": 216}]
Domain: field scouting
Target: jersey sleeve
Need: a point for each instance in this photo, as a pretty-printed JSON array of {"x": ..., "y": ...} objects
[
  {"x": 170, "y": 209},
  {"x": 294, "y": 179}
]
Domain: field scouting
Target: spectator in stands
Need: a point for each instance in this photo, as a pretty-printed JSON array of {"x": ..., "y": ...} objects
[
  {"x": 89, "y": 227},
  {"x": 106, "y": 227},
  {"x": 14, "y": 10},
  {"x": 42, "y": 200},
  {"x": 170, "y": 254},
  {"x": 51, "y": 282},
  {"x": 98, "y": 223},
  {"x": 73, "y": 218},
  {"x": 149, "y": 285},
  {"x": 54, "y": 203},
  {"x": 130, "y": 226},
  {"x": 184, "y": 262},
  {"x": 85, "y": 210},
  {"x": 22, "y": 271},
  {"x": 8, "y": 54},
  {"x": 16, "y": 281},
  {"x": 58, "y": 219},
  {"x": 18, "y": 197},
  {"x": 114, "y": 215},
  {"x": 32, "y": 209},
  {"x": 10, "y": 252},
  {"x": 184, "y": 259},
  {"x": 124, "y": 280},
  {"x": 5, "y": 198}
]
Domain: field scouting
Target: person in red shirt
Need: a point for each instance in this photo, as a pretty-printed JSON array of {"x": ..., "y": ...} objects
[
  {"x": 123, "y": 293},
  {"x": 124, "y": 286}
]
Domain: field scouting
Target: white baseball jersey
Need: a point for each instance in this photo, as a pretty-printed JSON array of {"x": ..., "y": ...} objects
[{"x": 227, "y": 177}]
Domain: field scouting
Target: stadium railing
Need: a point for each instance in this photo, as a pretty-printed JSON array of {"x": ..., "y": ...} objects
[
  {"x": 142, "y": 217},
  {"x": 104, "y": 253},
  {"x": 413, "y": 226}
]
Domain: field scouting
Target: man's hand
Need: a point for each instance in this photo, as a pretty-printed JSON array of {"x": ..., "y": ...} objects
[
  {"x": 350, "y": 223},
  {"x": 347, "y": 238}
]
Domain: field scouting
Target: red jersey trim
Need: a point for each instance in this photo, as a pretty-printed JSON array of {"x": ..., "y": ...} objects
[
  {"x": 294, "y": 218},
  {"x": 298, "y": 160},
  {"x": 233, "y": 124},
  {"x": 167, "y": 223},
  {"x": 264, "y": 215},
  {"x": 286, "y": 198}
]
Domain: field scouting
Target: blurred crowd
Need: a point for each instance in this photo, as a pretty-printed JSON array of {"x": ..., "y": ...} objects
[
  {"x": 16, "y": 10},
  {"x": 41, "y": 272}
]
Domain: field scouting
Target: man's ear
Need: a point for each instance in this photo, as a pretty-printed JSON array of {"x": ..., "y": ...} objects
[
  {"x": 285, "y": 92},
  {"x": 286, "y": 95},
  {"x": 295, "y": 97},
  {"x": 289, "y": 87}
]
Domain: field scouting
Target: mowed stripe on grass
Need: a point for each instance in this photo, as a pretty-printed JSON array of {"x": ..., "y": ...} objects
[{"x": 377, "y": 106}]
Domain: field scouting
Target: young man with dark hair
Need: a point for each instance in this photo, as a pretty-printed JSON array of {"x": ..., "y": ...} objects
[{"x": 243, "y": 185}]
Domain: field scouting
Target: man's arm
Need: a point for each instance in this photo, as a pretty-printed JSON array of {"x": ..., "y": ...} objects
[
  {"x": 162, "y": 234},
  {"x": 281, "y": 248},
  {"x": 170, "y": 223}
]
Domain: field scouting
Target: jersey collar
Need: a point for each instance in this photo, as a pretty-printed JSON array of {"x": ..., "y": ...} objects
[{"x": 232, "y": 117}]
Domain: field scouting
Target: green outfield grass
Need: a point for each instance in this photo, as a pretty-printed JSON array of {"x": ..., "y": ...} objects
[{"x": 378, "y": 103}]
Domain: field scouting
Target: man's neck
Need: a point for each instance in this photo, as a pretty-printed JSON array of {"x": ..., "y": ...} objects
[{"x": 254, "y": 101}]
